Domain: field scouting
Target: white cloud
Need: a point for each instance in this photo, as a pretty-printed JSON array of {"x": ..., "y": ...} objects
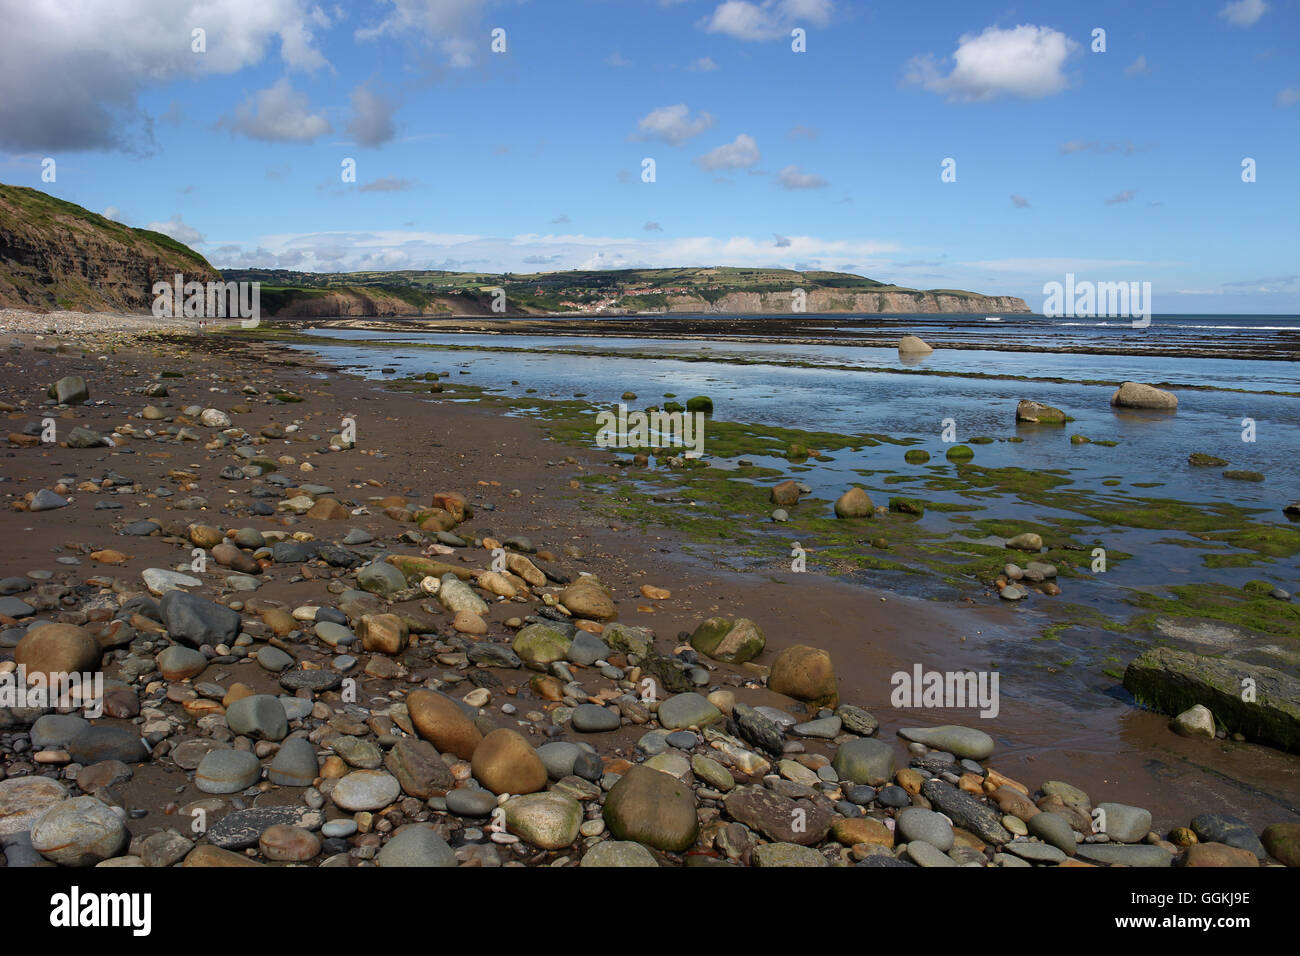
[
  {"x": 70, "y": 74},
  {"x": 1126, "y": 196},
  {"x": 799, "y": 131},
  {"x": 451, "y": 26},
  {"x": 111, "y": 212},
  {"x": 178, "y": 230},
  {"x": 1025, "y": 61},
  {"x": 1020, "y": 202},
  {"x": 1137, "y": 67},
  {"x": 741, "y": 153},
  {"x": 277, "y": 114},
  {"x": 372, "y": 118},
  {"x": 1289, "y": 96},
  {"x": 403, "y": 249},
  {"x": 792, "y": 177},
  {"x": 767, "y": 19},
  {"x": 673, "y": 124},
  {"x": 704, "y": 64},
  {"x": 1244, "y": 13}
]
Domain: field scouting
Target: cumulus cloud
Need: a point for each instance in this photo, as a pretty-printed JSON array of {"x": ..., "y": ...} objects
[
  {"x": 768, "y": 19},
  {"x": 704, "y": 64},
  {"x": 372, "y": 118},
  {"x": 1125, "y": 196},
  {"x": 178, "y": 230},
  {"x": 277, "y": 114},
  {"x": 673, "y": 124},
  {"x": 792, "y": 177},
  {"x": 741, "y": 153},
  {"x": 1025, "y": 61},
  {"x": 1244, "y": 13},
  {"x": 780, "y": 241},
  {"x": 69, "y": 79},
  {"x": 111, "y": 212}
]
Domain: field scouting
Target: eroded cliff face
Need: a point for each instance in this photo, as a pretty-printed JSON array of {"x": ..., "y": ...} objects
[
  {"x": 346, "y": 304},
  {"x": 55, "y": 255},
  {"x": 833, "y": 300}
]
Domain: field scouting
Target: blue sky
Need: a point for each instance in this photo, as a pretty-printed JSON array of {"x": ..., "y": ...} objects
[{"x": 1123, "y": 165}]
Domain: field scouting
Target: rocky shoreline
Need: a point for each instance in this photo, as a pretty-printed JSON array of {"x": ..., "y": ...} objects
[{"x": 318, "y": 650}]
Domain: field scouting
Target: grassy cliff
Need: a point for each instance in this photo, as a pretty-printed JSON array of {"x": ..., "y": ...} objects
[{"x": 57, "y": 255}]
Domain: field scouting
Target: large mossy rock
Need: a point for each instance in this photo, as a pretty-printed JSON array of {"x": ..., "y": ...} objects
[
  {"x": 731, "y": 641},
  {"x": 1171, "y": 681},
  {"x": 652, "y": 808}
]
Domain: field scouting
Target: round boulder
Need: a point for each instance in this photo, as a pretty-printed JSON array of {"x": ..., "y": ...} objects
[
  {"x": 50, "y": 649},
  {"x": 506, "y": 763},
  {"x": 804, "y": 673}
]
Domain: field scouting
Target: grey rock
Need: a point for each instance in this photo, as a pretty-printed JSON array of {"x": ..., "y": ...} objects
[
  {"x": 917, "y": 824},
  {"x": 865, "y": 760},
  {"x": 966, "y": 811},
  {"x": 227, "y": 771},
  {"x": 416, "y": 845}
]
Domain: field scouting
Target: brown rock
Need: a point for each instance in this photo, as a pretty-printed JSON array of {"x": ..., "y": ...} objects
[
  {"x": 1218, "y": 854},
  {"x": 467, "y": 622},
  {"x": 229, "y": 556},
  {"x": 328, "y": 509},
  {"x": 506, "y": 763},
  {"x": 286, "y": 844},
  {"x": 206, "y": 536},
  {"x": 587, "y": 597},
  {"x": 280, "y": 622},
  {"x": 419, "y": 768},
  {"x": 805, "y": 673},
  {"x": 236, "y": 692},
  {"x": 452, "y": 502},
  {"x": 520, "y": 565},
  {"x": 910, "y": 780},
  {"x": 206, "y": 855},
  {"x": 58, "y": 649},
  {"x": 785, "y": 494},
  {"x": 1014, "y": 803},
  {"x": 383, "y": 633},
  {"x": 439, "y": 720},
  {"x": 850, "y": 831}
]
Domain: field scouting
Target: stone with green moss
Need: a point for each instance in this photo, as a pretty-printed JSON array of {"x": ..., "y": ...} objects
[
  {"x": 1202, "y": 460},
  {"x": 1172, "y": 681},
  {"x": 733, "y": 642}
]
